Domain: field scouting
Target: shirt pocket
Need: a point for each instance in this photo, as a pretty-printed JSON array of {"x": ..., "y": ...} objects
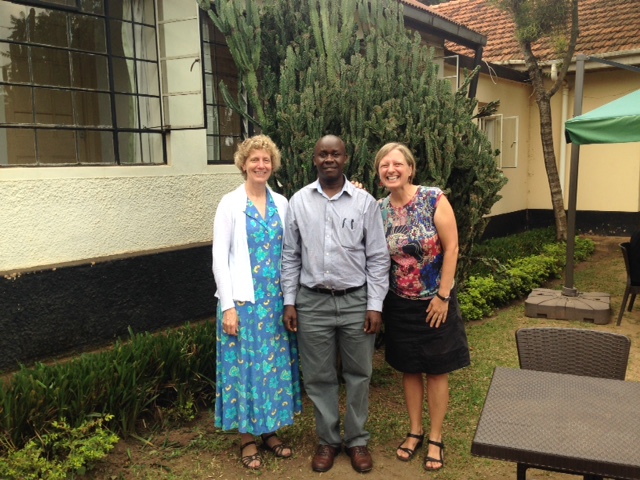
[{"x": 350, "y": 231}]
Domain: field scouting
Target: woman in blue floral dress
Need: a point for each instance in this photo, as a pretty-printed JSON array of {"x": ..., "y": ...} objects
[{"x": 257, "y": 375}]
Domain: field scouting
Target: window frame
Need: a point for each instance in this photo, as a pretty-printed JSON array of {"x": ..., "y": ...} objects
[
  {"x": 497, "y": 138},
  {"x": 149, "y": 147},
  {"x": 214, "y": 103}
]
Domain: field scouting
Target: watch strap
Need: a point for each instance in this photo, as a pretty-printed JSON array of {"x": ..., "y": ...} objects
[{"x": 444, "y": 299}]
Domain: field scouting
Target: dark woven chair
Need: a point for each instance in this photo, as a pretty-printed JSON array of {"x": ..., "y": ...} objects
[
  {"x": 575, "y": 351},
  {"x": 632, "y": 288}
]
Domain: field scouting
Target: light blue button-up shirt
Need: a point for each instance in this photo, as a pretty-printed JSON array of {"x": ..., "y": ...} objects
[{"x": 335, "y": 243}]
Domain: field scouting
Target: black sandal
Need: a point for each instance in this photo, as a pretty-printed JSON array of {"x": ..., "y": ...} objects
[
  {"x": 435, "y": 460},
  {"x": 247, "y": 460},
  {"x": 409, "y": 451},
  {"x": 275, "y": 449}
]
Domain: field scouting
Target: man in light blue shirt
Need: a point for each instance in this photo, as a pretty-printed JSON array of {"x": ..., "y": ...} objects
[{"x": 335, "y": 275}]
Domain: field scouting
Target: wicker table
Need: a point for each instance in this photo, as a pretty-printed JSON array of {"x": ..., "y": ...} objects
[{"x": 567, "y": 423}]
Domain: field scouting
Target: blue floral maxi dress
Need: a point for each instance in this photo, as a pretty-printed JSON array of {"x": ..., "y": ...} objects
[{"x": 257, "y": 374}]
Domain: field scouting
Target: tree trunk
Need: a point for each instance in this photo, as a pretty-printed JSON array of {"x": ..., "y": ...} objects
[
  {"x": 546, "y": 134},
  {"x": 543, "y": 100}
]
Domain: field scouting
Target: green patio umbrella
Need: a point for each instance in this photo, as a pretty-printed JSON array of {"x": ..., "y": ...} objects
[{"x": 615, "y": 122}]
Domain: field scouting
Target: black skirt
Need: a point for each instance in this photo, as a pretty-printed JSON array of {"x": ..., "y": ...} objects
[{"x": 412, "y": 346}]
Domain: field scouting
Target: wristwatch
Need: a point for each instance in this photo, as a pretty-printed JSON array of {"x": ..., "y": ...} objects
[{"x": 444, "y": 299}]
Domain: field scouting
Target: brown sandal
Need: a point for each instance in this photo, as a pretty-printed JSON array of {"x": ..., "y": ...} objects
[
  {"x": 435, "y": 460},
  {"x": 247, "y": 460},
  {"x": 275, "y": 449}
]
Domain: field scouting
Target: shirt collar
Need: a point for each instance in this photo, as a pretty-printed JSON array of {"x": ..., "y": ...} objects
[{"x": 346, "y": 188}]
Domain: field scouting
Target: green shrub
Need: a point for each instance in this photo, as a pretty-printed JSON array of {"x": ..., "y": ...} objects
[
  {"x": 490, "y": 256},
  {"x": 141, "y": 377},
  {"x": 61, "y": 452},
  {"x": 480, "y": 295}
]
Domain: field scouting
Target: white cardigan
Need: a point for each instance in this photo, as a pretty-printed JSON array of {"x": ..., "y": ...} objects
[{"x": 231, "y": 262}]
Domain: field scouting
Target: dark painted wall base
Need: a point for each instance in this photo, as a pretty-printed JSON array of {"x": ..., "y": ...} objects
[
  {"x": 57, "y": 311},
  {"x": 599, "y": 223}
]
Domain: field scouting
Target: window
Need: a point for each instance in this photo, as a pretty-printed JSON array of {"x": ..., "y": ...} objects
[
  {"x": 224, "y": 126},
  {"x": 502, "y": 132},
  {"x": 455, "y": 78},
  {"x": 79, "y": 83}
]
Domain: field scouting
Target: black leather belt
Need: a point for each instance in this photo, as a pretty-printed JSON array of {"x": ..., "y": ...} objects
[{"x": 333, "y": 293}]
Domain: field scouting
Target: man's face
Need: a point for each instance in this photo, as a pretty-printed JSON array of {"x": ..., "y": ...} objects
[{"x": 329, "y": 157}]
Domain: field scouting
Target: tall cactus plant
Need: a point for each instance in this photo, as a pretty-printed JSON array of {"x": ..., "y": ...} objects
[{"x": 350, "y": 68}]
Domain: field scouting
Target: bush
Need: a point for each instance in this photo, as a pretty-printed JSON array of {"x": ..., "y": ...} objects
[
  {"x": 60, "y": 453},
  {"x": 142, "y": 377},
  {"x": 479, "y": 295}
]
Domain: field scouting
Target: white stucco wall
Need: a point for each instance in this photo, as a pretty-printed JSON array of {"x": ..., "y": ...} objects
[{"x": 56, "y": 220}]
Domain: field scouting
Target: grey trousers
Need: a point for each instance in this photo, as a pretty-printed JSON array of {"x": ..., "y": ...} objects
[{"x": 327, "y": 324}]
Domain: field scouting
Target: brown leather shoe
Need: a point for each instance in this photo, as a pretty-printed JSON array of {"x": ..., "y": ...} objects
[
  {"x": 361, "y": 460},
  {"x": 323, "y": 459}
]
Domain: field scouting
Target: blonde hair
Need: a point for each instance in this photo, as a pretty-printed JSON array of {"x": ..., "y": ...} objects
[
  {"x": 257, "y": 142},
  {"x": 402, "y": 148}
]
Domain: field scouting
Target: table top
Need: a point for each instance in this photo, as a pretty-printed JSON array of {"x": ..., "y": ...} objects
[{"x": 562, "y": 422}]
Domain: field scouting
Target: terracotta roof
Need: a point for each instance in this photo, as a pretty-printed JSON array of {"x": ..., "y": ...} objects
[{"x": 606, "y": 26}]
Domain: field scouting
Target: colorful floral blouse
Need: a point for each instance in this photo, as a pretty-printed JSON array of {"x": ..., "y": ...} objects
[{"x": 414, "y": 245}]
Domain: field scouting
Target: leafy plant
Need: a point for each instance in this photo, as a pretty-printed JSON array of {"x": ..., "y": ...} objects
[{"x": 60, "y": 452}]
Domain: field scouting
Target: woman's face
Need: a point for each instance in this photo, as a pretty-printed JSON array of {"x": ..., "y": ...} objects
[
  {"x": 258, "y": 166},
  {"x": 393, "y": 170}
]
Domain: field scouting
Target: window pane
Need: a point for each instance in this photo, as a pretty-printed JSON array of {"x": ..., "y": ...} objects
[
  {"x": 143, "y": 12},
  {"x": 148, "y": 78},
  {"x": 212, "y": 121},
  {"x": 124, "y": 75},
  {"x": 89, "y": 71},
  {"x": 206, "y": 59},
  {"x": 145, "y": 42},
  {"x": 92, "y": 6},
  {"x": 150, "y": 112},
  {"x": 17, "y": 146},
  {"x": 92, "y": 109},
  {"x": 53, "y": 107},
  {"x": 213, "y": 148},
  {"x": 56, "y": 146},
  {"x": 229, "y": 122},
  {"x": 13, "y": 62},
  {"x": 17, "y": 106},
  {"x": 95, "y": 147},
  {"x": 122, "y": 39},
  {"x": 49, "y": 27},
  {"x": 228, "y": 147},
  {"x": 127, "y": 111},
  {"x": 129, "y": 147},
  {"x": 120, "y": 9},
  {"x": 152, "y": 148},
  {"x": 51, "y": 67},
  {"x": 13, "y": 24},
  {"x": 88, "y": 33}
]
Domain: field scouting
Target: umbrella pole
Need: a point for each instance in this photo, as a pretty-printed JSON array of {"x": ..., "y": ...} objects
[{"x": 568, "y": 289}]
